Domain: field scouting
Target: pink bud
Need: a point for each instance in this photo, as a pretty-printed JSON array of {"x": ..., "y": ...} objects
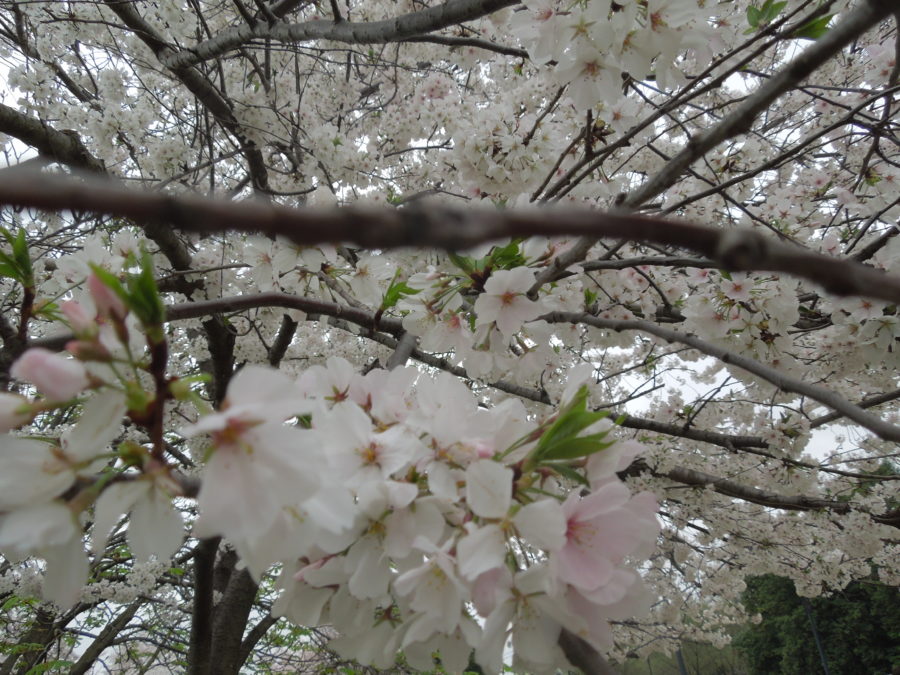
[
  {"x": 55, "y": 376},
  {"x": 80, "y": 321},
  {"x": 108, "y": 303},
  {"x": 14, "y": 411}
]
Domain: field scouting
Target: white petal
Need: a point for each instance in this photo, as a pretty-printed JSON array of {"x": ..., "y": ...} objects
[
  {"x": 67, "y": 571},
  {"x": 115, "y": 501},
  {"x": 30, "y": 474},
  {"x": 543, "y": 524},
  {"x": 36, "y": 527},
  {"x": 489, "y": 653},
  {"x": 156, "y": 528},
  {"x": 442, "y": 482},
  {"x": 489, "y": 488},
  {"x": 481, "y": 550},
  {"x": 98, "y": 426}
]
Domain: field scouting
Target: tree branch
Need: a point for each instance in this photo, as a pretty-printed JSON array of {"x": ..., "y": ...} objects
[
  {"x": 51, "y": 143},
  {"x": 349, "y": 32},
  {"x": 780, "y": 380},
  {"x": 856, "y": 22},
  {"x": 442, "y": 227},
  {"x": 106, "y": 637}
]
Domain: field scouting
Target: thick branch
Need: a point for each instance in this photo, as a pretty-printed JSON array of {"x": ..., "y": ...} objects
[
  {"x": 372, "y": 32},
  {"x": 778, "y": 501},
  {"x": 200, "y": 646},
  {"x": 232, "y": 613},
  {"x": 581, "y": 655},
  {"x": 59, "y": 146},
  {"x": 443, "y": 227}
]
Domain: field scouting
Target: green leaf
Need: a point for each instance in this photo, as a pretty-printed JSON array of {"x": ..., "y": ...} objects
[
  {"x": 18, "y": 265},
  {"x": 396, "y": 291},
  {"x": 573, "y": 448},
  {"x": 507, "y": 257},
  {"x": 568, "y": 472},
  {"x": 753, "y": 15},
  {"x": 7, "y": 269},
  {"x": 770, "y": 10},
  {"x": 144, "y": 299},
  {"x": 814, "y": 29},
  {"x": 561, "y": 440},
  {"x": 463, "y": 262}
]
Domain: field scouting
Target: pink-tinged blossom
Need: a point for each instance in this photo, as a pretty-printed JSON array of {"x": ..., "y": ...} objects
[
  {"x": 434, "y": 590},
  {"x": 602, "y": 529},
  {"x": 738, "y": 287},
  {"x": 591, "y": 76},
  {"x": 533, "y": 615},
  {"x": 505, "y": 300},
  {"x": 36, "y": 472},
  {"x": 331, "y": 381},
  {"x": 32, "y": 472},
  {"x": 358, "y": 451},
  {"x": 55, "y": 376},
  {"x": 80, "y": 320},
  {"x": 155, "y": 527},
  {"x": 454, "y": 648},
  {"x": 539, "y": 29}
]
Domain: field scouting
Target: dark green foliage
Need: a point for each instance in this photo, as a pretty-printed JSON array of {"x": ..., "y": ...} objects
[{"x": 859, "y": 628}]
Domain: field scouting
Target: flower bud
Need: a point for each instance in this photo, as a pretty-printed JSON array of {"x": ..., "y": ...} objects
[
  {"x": 55, "y": 376},
  {"x": 82, "y": 324},
  {"x": 109, "y": 304}
]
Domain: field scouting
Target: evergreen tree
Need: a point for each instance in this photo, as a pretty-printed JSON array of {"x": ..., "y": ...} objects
[{"x": 859, "y": 628}]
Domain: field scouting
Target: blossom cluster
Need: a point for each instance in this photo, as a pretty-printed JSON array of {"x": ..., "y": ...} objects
[
  {"x": 593, "y": 44},
  {"x": 400, "y": 512}
]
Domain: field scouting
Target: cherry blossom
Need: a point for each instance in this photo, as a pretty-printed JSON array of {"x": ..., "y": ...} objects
[{"x": 505, "y": 300}]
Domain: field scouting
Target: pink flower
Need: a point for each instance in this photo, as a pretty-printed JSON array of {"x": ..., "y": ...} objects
[
  {"x": 601, "y": 530},
  {"x": 55, "y": 376},
  {"x": 257, "y": 464}
]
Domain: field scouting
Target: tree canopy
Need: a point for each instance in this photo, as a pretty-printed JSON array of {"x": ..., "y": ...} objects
[{"x": 422, "y": 335}]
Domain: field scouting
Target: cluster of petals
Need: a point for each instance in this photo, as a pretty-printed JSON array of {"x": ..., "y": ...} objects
[
  {"x": 392, "y": 501},
  {"x": 394, "y": 512}
]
